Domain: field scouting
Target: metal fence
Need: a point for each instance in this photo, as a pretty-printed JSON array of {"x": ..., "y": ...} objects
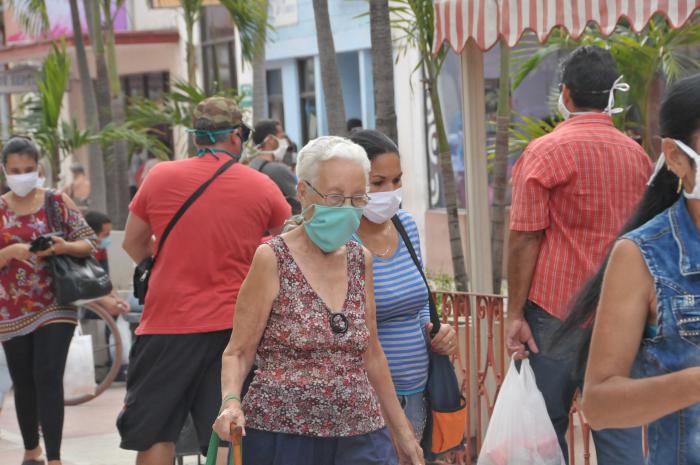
[{"x": 480, "y": 363}]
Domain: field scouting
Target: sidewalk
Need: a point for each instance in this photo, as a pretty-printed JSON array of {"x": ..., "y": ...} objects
[{"x": 89, "y": 435}]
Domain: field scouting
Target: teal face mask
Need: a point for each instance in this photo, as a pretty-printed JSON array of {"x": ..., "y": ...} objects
[
  {"x": 331, "y": 227},
  {"x": 211, "y": 134}
]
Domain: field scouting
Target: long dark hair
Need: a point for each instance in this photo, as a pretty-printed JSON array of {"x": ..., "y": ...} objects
[{"x": 680, "y": 119}]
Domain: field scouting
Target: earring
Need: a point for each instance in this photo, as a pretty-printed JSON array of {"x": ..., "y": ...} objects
[{"x": 680, "y": 186}]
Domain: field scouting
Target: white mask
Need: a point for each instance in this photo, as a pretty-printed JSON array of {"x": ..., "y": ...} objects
[
  {"x": 695, "y": 194},
  {"x": 22, "y": 184},
  {"x": 280, "y": 151},
  {"x": 382, "y": 206},
  {"x": 609, "y": 110},
  {"x": 40, "y": 181}
]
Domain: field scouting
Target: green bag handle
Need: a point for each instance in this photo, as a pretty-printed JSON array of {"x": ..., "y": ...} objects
[{"x": 213, "y": 449}]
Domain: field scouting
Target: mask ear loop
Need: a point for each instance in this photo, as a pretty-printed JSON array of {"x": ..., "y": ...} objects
[
  {"x": 622, "y": 87},
  {"x": 657, "y": 169}
]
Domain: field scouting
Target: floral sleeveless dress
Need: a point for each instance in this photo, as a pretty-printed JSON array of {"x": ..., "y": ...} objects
[
  {"x": 26, "y": 297},
  {"x": 311, "y": 381}
]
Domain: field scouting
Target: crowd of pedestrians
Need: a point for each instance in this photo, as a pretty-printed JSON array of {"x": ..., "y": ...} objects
[{"x": 285, "y": 302}]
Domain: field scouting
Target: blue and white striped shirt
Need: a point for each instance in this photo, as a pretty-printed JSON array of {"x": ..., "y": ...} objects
[{"x": 402, "y": 312}]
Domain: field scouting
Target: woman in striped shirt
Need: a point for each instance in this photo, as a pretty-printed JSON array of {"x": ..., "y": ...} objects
[{"x": 401, "y": 296}]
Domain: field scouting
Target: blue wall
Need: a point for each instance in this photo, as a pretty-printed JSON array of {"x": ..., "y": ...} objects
[
  {"x": 351, "y": 36},
  {"x": 349, "y": 31}
]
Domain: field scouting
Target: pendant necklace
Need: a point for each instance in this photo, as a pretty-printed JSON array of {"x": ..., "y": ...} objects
[{"x": 338, "y": 321}]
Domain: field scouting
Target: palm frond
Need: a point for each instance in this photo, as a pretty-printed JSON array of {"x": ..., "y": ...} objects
[
  {"x": 31, "y": 15},
  {"x": 250, "y": 18}
]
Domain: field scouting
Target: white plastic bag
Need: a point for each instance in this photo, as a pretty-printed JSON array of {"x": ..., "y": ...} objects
[
  {"x": 125, "y": 335},
  {"x": 520, "y": 431},
  {"x": 79, "y": 376}
]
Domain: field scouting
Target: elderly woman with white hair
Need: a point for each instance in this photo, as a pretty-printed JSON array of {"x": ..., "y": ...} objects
[{"x": 322, "y": 391}]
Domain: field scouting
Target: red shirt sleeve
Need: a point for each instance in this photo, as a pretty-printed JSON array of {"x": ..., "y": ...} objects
[
  {"x": 279, "y": 208},
  {"x": 533, "y": 180}
]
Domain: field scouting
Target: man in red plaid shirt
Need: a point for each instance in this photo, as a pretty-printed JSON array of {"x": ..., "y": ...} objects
[{"x": 573, "y": 190}]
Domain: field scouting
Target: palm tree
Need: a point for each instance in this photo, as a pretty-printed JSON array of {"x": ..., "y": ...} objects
[
  {"x": 500, "y": 169},
  {"x": 330, "y": 77},
  {"x": 250, "y": 19},
  {"x": 415, "y": 19},
  {"x": 191, "y": 13},
  {"x": 658, "y": 53},
  {"x": 98, "y": 191},
  {"x": 118, "y": 165},
  {"x": 383, "y": 68}
]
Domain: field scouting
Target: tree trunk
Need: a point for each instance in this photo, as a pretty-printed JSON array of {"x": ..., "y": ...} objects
[
  {"x": 330, "y": 77},
  {"x": 259, "y": 87},
  {"x": 119, "y": 172},
  {"x": 500, "y": 170},
  {"x": 382, "y": 68},
  {"x": 104, "y": 101},
  {"x": 450, "y": 192},
  {"x": 98, "y": 190},
  {"x": 190, "y": 52}
]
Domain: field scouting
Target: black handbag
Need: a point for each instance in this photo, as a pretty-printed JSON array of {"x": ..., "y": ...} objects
[
  {"x": 142, "y": 272},
  {"x": 76, "y": 280},
  {"x": 446, "y": 423}
]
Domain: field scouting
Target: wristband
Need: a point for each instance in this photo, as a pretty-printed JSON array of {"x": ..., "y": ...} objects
[{"x": 230, "y": 397}]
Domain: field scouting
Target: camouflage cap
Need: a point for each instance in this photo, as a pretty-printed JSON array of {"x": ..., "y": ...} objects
[{"x": 216, "y": 113}]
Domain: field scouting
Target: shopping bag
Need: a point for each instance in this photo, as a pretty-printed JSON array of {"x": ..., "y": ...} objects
[
  {"x": 520, "y": 431},
  {"x": 125, "y": 335},
  {"x": 79, "y": 375}
]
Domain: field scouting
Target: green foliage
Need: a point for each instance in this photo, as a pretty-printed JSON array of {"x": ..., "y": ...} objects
[
  {"x": 415, "y": 20},
  {"x": 250, "y": 19},
  {"x": 31, "y": 15},
  {"x": 658, "y": 52},
  {"x": 145, "y": 115}
]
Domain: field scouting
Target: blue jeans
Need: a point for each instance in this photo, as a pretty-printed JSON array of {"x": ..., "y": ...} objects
[
  {"x": 558, "y": 377},
  {"x": 416, "y": 410},
  {"x": 266, "y": 448}
]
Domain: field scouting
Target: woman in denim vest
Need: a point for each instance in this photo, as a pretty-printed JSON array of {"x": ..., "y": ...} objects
[{"x": 644, "y": 363}]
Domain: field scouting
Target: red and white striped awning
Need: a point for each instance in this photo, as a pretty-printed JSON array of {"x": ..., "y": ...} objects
[{"x": 485, "y": 21}]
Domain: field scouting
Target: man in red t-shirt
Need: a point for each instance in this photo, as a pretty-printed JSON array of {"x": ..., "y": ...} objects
[
  {"x": 573, "y": 190},
  {"x": 175, "y": 364}
]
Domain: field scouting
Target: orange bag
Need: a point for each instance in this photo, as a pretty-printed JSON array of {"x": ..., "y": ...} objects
[{"x": 448, "y": 429}]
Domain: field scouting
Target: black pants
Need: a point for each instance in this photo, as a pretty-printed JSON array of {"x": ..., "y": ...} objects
[{"x": 36, "y": 362}]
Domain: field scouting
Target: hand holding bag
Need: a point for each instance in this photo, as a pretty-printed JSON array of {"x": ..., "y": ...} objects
[
  {"x": 142, "y": 272},
  {"x": 446, "y": 424},
  {"x": 520, "y": 431},
  {"x": 76, "y": 280}
]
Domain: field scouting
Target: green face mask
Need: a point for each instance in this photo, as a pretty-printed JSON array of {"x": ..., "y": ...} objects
[{"x": 331, "y": 227}]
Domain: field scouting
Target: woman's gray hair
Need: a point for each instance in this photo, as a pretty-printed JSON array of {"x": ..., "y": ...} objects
[{"x": 327, "y": 148}]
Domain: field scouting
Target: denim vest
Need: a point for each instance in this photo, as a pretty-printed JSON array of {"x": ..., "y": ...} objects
[{"x": 670, "y": 245}]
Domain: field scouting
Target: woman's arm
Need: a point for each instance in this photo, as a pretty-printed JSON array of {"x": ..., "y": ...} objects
[
  {"x": 611, "y": 399},
  {"x": 253, "y": 308},
  {"x": 380, "y": 377},
  {"x": 14, "y": 251}
]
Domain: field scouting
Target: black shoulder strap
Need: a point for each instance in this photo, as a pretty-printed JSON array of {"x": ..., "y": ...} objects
[
  {"x": 188, "y": 203},
  {"x": 263, "y": 165},
  {"x": 434, "y": 317},
  {"x": 50, "y": 211}
]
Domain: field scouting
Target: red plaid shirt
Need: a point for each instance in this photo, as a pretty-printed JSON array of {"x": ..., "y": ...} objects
[{"x": 579, "y": 184}]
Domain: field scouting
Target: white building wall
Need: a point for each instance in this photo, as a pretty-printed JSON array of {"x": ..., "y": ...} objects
[{"x": 410, "y": 114}]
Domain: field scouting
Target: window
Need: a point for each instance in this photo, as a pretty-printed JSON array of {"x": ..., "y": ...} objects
[
  {"x": 218, "y": 49},
  {"x": 307, "y": 95},
  {"x": 275, "y": 96},
  {"x": 151, "y": 86}
]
